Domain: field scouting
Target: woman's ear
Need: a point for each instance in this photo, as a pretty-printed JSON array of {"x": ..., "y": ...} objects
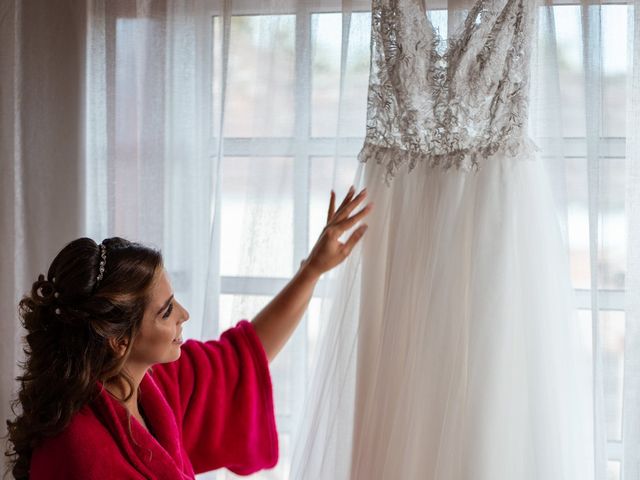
[{"x": 119, "y": 347}]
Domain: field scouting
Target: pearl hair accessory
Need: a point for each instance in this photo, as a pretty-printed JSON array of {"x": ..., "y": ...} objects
[
  {"x": 47, "y": 293},
  {"x": 103, "y": 262},
  {"x": 56, "y": 294}
]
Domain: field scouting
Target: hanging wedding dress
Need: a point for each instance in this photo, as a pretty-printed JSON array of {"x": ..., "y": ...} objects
[{"x": 450, "y": 349}]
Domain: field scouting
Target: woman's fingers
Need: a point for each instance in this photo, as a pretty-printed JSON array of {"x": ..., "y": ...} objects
[
  {"x": 353, "y": 240},
  {"x": 344, "y": 211},
  {"x": 332, "y": 205},
  {"x": 328, "y": 250},
  {"x": 346, "y": 200},
  {"x": 347, "y": 223},
  {"x": 347, "y": 197}
]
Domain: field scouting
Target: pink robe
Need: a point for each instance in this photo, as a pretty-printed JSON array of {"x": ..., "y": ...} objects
[{"x": 211, "y": 408}]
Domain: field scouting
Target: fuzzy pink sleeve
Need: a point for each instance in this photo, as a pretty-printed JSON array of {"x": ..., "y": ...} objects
[{"x": 222, "y": 394}]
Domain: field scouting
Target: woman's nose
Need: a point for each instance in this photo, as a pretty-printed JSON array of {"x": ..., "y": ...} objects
[{"x": 185, "y": 313}]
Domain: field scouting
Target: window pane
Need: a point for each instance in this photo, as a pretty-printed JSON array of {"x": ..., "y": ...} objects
[
  {"x": 612, "y": 328},
  {"x": 313, "y": 332},
  {"x": 257, "y": 216},
  {"x": 614, "y": 58},
  {"x": 572, "y": 75},
  {"x": 321, "y": 182},
  {"x": 577, "y": 209},
  {"x": 611, "y": 223},
  {"x": 261, "y": 86},
  {"x": 613, "y": 233},
  {"x": 570, "y": 69},
  {"x": 613, "y": 470},
  {"x": 326, "y": 44}
]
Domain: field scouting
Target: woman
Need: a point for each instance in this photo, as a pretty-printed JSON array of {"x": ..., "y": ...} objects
[{"x": 97, "y": 325}]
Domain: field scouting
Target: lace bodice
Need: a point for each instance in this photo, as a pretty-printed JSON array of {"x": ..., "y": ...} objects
[{"x": 450, "y": 102}]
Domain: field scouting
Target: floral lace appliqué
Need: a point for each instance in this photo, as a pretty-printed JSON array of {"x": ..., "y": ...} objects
[{"x": 450, "y": 102}]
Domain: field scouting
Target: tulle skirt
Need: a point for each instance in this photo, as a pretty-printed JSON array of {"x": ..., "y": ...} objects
[{"x": 450, "y": 346}]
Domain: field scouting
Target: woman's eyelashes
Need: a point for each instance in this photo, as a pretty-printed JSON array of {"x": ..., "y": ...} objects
[{"x": 169, "y": 310}]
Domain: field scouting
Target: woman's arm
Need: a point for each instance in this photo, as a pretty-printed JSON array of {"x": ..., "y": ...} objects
[{"x": 277, "y": 321}]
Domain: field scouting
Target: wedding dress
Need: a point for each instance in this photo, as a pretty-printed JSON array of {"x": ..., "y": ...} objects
[{"x": 451, "y": 348}]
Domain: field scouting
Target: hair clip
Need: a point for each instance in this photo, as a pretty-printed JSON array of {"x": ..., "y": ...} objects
[{"x": 103, "y": 262}]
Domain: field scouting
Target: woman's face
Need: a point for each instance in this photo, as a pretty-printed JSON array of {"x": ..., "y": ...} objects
[{"x": 160, "y": 335}]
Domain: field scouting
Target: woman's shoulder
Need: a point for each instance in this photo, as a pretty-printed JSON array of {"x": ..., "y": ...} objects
[
  {"x": 76, "y": 448},
  {"x": 80, "y": 434}
]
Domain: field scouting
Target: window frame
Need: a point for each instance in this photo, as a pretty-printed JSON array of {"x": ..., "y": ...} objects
[{"x": 302, "y": 147}]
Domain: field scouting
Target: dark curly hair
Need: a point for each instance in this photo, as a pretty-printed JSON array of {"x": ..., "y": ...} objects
[{"x": 69, "y": 318}]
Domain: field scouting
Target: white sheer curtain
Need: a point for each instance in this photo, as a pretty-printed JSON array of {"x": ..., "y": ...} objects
[
  {"x": 149, "y": 174},
  {"x": 584, "y": 110},
  {"x": 215, "y": 130},
  {"x": 591, "y": 46},
  {"x": 294, "y": 97}
]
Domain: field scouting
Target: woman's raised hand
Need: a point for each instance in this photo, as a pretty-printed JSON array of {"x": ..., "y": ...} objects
[{"x": 328, "y": 252}]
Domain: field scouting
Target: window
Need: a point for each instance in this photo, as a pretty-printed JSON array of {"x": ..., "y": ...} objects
[{"x": 292, "y": 128}]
